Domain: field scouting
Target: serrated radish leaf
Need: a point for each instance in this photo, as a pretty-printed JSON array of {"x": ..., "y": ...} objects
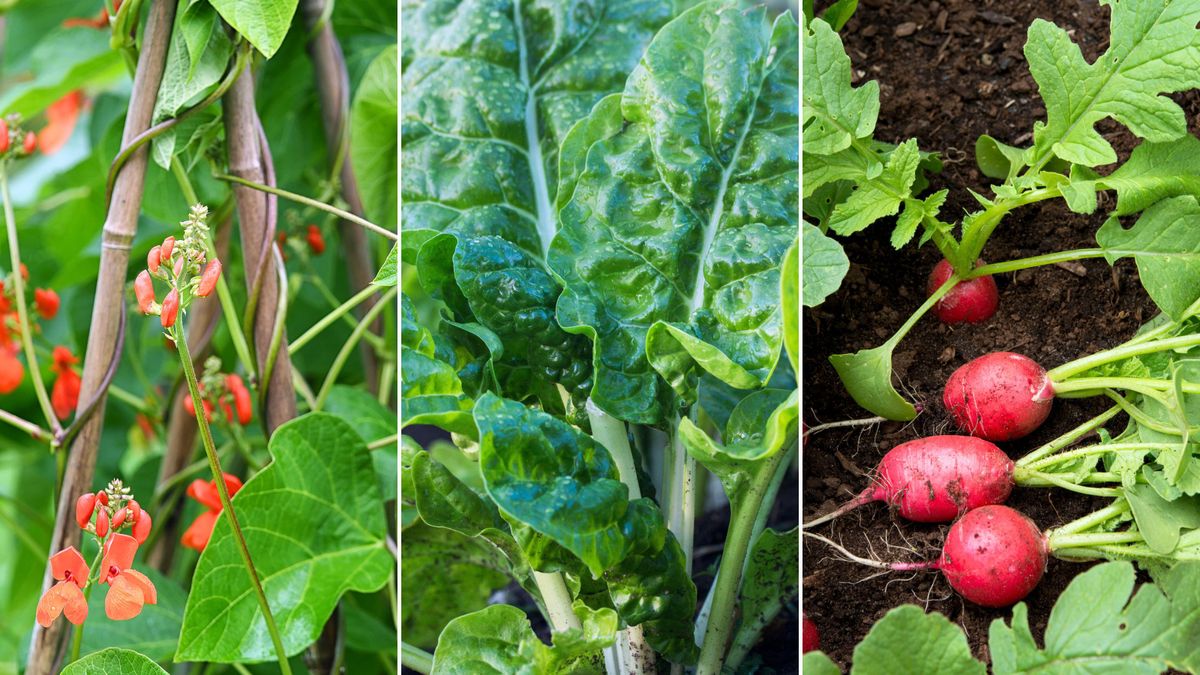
[
  {"x": 1165, "y": 243},
  {"x": 940, "y": 646},
  {"x": 670, "y": 246},
  {"x": 1154, "y": 171},
  {"x": 1154, "y": 49},
  {"x": 835, "y": 113},
  {"x": 1096, "y": 626},
  {"x": 314, "y": 522}
]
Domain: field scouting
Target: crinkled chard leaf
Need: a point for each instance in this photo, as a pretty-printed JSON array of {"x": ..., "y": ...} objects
[
  {"x": 445, "y": 575},
  {"x": 655, "y": 592},
  {"x": 330, "y": 541},
  {"x": 509, "y": 291},
  {"x": 430, "y": 387},
  {"x": 545, "y": 474},
  {"x": 671, "y": 242},
  {"x": 1153, "y": 49},
  {"x": 491, "y": 87},
  {"x": 499, "y": 640}
]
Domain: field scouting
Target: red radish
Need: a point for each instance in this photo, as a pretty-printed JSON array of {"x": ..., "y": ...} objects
[
  {"x": 810, "y": 639},
  {"x": 935, "y": 479},
  {"x": 993, "y": 556},
  {"x": 999, "y": 396},
  {"x": 971, "y": 301}
]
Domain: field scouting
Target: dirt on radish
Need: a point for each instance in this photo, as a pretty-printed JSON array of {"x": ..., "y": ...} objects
[{"x": 972, "y": 80}]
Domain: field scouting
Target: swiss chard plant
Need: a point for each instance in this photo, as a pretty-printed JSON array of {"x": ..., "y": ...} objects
[
  {"x": 853, "y": 180},
  {"x": 599, "y": 244}
]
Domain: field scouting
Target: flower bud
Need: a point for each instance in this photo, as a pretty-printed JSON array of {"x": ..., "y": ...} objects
[
  {"x": 135, "y": 510},
  {"x": 47, "y": 302},
  {"x": 141, "y": 528},
  {"x": 208, "y": 281},
  {"x": 170, "y": 308},
  {"x": 85, "y": 506},
  {"x": 102, "y": 497},
  {"x": 102, "y": 524},
  {"x": 119, "y": 518},
  {"x": 143, "y": 287},
  {"x": 30, "y": 143},
  {"x": 4, "y": 142},
  {"x": 153, "y": 258},
  {"x": 168, "y": 246}
]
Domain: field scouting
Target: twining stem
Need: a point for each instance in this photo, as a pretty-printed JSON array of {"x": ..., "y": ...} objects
[
  {"x": 36, "y": 432},
  {"x": 351, "y": 342},
  {"x": 214, "y": 464},
  {"x": 342, "y": 310},
  {"x": 375, "y": 341},
  {"x": 1119, "y": 353},
  {"x": 557, "y": 600},
  {"x": 721, "y": 621},
  {"x": 415, "y": 658},
  {"x": 25, "y": 329},
  {"x": 307, "y": 201},
  {"x": 1070, "y": 437}
]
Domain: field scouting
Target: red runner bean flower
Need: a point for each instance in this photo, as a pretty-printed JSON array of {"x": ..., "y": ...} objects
[
  {"x": 197, "y": 535},
  {"x": 65, "y": 597}
]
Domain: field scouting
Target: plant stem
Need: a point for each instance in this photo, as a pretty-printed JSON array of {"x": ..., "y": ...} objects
[
  {"x": 682, "y": 485},
  {"x": 976, "y": 235},
  {"x": 340, "y": 360},
  {"x": 77, "y": 636},
  {"x": 1068, "y": 485},
  {"x": 307, "y": 201},
  {"x": 1071, "y": 436},
  {"x": 1117, "y": 508},
  {"x": 372, "y": 338},
  {"x": 1087, "y": 540},
  {"x": 328, "y": 319},
  {"x": 36, "y": 432},
  {"x": 214, "y": 464},
  {"x": 744, "y": 513},
  {"x": 1035, "y": 261},
  {"x": 1091, "y": 450},
  {"x": 1142, "y": 385},
  {"x": 26, "y": 329},
  {"x": 557, "y": 600},
  {"x": 415, "y": 658},
  {"x": 1121, "y": 352}
]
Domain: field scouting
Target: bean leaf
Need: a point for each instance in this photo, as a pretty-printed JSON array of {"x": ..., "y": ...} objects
[
  {"x": 314, "y": 522},
  {"x": 124, "y": 661}
]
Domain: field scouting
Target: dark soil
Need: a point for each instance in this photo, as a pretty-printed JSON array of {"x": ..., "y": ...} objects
[{"x": 957, "y": 73}]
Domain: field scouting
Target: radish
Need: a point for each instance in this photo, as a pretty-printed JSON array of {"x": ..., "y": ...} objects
[
  {"x": 971, "y": 301},
  {"x": 999, "y": 396},
  {"x": 935, "y": 479},
  {"x": 993, "y": 556},
  {"x": 810, "y": 640}
]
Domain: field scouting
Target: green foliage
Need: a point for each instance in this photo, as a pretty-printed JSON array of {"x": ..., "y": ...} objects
[
  {"x": 373, "y": 139},
  {"x": 720, "y": 216},
  {"x": 264, "y": 23},
  {"x": 331, "y": 542},
  {"x": 1098, "y": 624},
  {"x": 154, "y": 632},
  {"x": 124, "y": 661},
  {"x": 498, "y": 640},
  {"x": 825, "y": 265}
]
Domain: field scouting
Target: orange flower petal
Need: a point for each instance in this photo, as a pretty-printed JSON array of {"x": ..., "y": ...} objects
[
  {"x": 52, "y": 604},
  {"x": 68, "y": 562},
  {"x": 197, "y": 535},
  {"x": 149, "y": 592},
  {"x": 76, "y": 610},
  {"x": 118, "y": 556},
  {"x": 124, "y": 600},
  {"x": 205, "y": 492},
  {"x": 61, "y": 117}
]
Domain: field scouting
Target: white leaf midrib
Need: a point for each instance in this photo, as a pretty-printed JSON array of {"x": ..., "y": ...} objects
[{"x": 537, "y": 170}]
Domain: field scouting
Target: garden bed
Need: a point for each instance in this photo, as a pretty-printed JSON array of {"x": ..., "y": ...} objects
[{"x": 955, "y": 73}]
